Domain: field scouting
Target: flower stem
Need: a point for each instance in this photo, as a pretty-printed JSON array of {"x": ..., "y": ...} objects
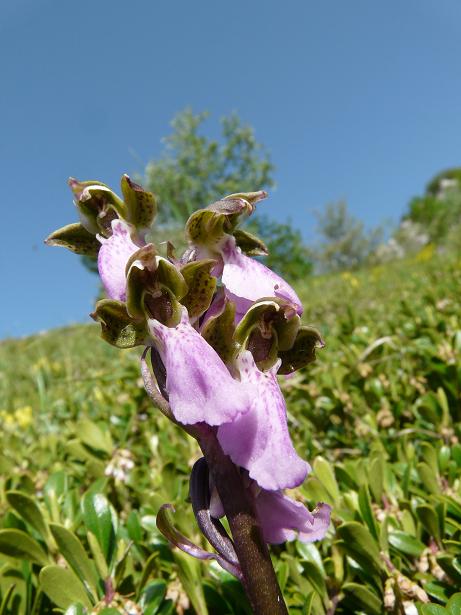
[{"x": 259, "y": 579}]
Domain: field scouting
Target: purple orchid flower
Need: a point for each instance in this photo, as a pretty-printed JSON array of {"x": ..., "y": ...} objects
[
  {"x": 247, "y": 280},
  {"x": 282, "y": 519},
  {"x": 258, "y": 440},
  {"x": 113, "y": 257},
  {"x": 199, "y": 385}
]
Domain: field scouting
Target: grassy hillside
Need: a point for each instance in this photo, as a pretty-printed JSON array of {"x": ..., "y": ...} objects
[{"x": 378, "y": 415}]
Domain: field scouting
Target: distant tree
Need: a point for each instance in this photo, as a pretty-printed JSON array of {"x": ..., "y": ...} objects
[
  {"x": 438, "y": 211},
  {"x": 288, "y": 254},
  {"x": 345, "y": 244},
  {"x": 195, "y": 170}
]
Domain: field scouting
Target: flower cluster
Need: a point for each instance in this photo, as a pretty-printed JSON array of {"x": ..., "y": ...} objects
[{"x": 220, "y": 327}]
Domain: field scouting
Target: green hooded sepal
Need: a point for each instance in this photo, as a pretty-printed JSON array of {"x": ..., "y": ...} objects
[
  {"x": 269, "y": 327},
  {"x": 97, "y": 205},
  {"x": 302, "y": 352},
  {"x": 76, "y": 238},
  {"x": 117, "y": 326},
  {"x": 250, "y": 244},
  {"x": 201, "y": 286},
  {"x": 218, "y": 331},
  {"x": 154, "y": 287},
  {"x": 208, "y": 227},
  {"x": 250, "y": 197},
  {"x": 141, "y": 206}
]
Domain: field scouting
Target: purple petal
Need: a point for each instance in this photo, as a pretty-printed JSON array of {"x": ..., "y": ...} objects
[
  {"x": 199, "y": 385},
  {"x": 247, "y": 280},
  {"x": 259, "y": 440},
  {"x": 284, "y": 519},
  {"x": 112, "y": 259}
]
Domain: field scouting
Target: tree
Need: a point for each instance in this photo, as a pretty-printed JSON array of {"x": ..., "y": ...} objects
[
  {"x": 345, "y": 243},
  {"x": 438, "y": 211},
  {"x": 288, "y": 254},
  {"x": 195, "y": 170}
]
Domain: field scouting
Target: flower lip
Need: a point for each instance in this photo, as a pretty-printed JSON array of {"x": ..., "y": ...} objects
[
  {"x": 199, "y": 385},
  {"x": 249, "y": 280},
  {"x": 113, "y": 257},
  {"x": 259, "y": 440}
]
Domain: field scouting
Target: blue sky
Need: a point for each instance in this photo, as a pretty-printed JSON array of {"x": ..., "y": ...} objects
[{"x": 358, "y": 100}]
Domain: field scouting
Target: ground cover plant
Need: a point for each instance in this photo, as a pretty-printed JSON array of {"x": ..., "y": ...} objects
[{"x": 87, "y": 462}]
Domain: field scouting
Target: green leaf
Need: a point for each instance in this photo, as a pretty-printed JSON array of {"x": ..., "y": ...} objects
[
  {"x": 365, "y": 598},
  {"x": 55, "y": 487},
  {"x": 437, "y": 590},
  {"x": 366, "y": 511},
  {"x": 310, "y": 553},
  {"x": 100, "y": 519},
  {"x": 429, "y": 456},
  {"x": 410, "y": 545},
  {"x": 428, "y": 477},
  {"x": 72, "y": 550},
  {"x": 429, "y": 518},
  {"x": 433, "y": 609},
  {"x": 62, "y": 587},
  {"x": 376, "y": 478},
  {"x": 153, "y": 596},
  {"x": 191, "y": 579},
  {"x": 93, "y": 436},
  {"x": 453, "y": 606},
  {"x": 6, "y": 599},
  {"x": 315, "y": 577},
  {"x": 308, "y": 604},
  {"x": 98, "y": 556},
  {"x": 18, "y": 544},
  {"x": 76, "y": 238},
  {"x": 134, "y": 528},
  {"x": 28, "y": 509},
  {"x": 360, "y": 544},
  {"x": 325, "y": 474},
  {"x": 76, "y": 609}
]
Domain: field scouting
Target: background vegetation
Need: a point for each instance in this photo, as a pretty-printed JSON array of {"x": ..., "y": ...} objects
[{"x": 86, "y": 462}]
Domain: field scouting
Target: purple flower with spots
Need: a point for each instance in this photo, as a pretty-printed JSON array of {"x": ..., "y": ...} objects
[
  {"x": 247, "y": 280},
  {"x": 200, "y": 387},
  {"x": 113, "y": 257},
  {"x": 258, "y": 440}
]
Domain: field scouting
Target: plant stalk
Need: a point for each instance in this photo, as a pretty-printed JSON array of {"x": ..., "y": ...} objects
[{"x": 259, "y": 579}]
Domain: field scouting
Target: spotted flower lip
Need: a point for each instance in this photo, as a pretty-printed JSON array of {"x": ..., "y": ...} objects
[
  {"x": 283, "y": 519},
  {"x": 199, "y": 385},
  {"x": 247, "y": 280},
  {"x": 113, "y": 257},
  {"x": 258, "y": 440}
]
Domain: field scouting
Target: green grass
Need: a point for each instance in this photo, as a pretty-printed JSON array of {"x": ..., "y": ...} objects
[{"x": 378, "y": 416}]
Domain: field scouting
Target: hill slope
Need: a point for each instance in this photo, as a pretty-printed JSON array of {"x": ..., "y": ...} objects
[{"x": 378, "y": 415}]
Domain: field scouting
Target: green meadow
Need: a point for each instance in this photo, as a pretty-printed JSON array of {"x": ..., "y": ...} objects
[{"x": 86, "y": 462}]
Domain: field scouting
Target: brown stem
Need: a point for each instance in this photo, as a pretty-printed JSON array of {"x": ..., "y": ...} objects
[{"x": 259, "y": 579}]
